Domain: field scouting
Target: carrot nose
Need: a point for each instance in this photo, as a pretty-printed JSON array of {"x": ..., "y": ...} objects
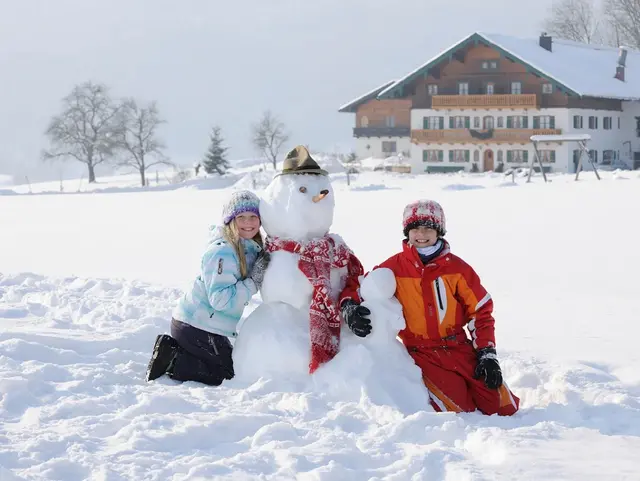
[{"x": 321, "y": 195}]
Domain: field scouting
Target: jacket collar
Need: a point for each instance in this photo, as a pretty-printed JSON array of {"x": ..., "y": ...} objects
[{"x": 412, "y": 253}]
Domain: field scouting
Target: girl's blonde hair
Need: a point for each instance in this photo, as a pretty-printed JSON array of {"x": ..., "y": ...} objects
[{"x": 232, "y": 236}]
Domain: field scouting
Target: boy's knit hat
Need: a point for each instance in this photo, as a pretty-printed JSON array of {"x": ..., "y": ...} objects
[
  {"x": 426, "y": 213},
  {"x": 240, "y": 201}
]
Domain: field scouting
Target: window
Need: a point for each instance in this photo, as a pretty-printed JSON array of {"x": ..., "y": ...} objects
[
  {"x": 389, "y": 147},
  {"x": 433, "y": 123},
  {"x": 516, "y": 88},
  {"x": 544, "y": 122},
  {"x": 618, "y": 122},
  {"x": 500, "y": 122},
  {"x": 547, "y": 156},
  {"x": 489, "y": 65},
  {"x": 458, "y": 156},
  {"x": 517, "y": 156},
  {"x": 576, "y": 157},
  {"x": 608, "y": 156},
  {"x": 547, "y": 88},
  {"x": 577, "y": 121},
  {"x": 607, "y": 122},
  {"x": 459, "y": 122},
  {"x": 476, "y": 122},
  {"x": 390, "y": 121},
  {"x": 476, "y": 156},
  {"x": 432, "y": 155},
  {"x": 493, "y": 64},
  {"x": 500, "y": 157},
  {"x": 364, "y": 121},
  {"x": 593, "y": 122},
  {"x": 488, "y": 122},
  {"x": 594, "y": 156},
  {"x": 432, "y": 89},
  {"x": 517, "y": 122},
  {"x": 463, "y": 88},
  {"x": 490, "y": 88}
]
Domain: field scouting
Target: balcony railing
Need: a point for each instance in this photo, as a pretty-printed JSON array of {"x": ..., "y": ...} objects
[
  {"x": 484, "y": 101},
  {"x": 471, "y": 136},
  {"x": 381, "y": 131}
]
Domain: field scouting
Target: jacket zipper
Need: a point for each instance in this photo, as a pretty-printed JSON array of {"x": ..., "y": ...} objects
[{"x": 438, "y": 294}]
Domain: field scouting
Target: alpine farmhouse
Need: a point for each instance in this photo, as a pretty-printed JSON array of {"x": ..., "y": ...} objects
[{"x": 475, "y": 106}]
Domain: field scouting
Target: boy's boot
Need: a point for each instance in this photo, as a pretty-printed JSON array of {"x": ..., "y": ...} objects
[{"x": 164, "y": 353}]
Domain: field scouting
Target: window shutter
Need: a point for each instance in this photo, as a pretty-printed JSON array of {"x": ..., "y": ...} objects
[
  {"x": 509, "y": 155},
  {"x": 440, "y": 155},
  {"x": 425, "y": 155},
  {"x": 466, "y": 155},
  {"x": 425, "y": 123},
  {"x": 451, "y": 122},
  {"x": 553, "y": 156},
  {"x": 441, "y": 123},
  {"x": 451, "y": 156},
  {"x": 525, "y": 155},
  {"x": 525, "y": 122},
  {"x": 552, "y": 122},
  {"x": 536, "y": 122},
  {"x": 467, "y": 122},
  {"x": 509, "y": 122}
]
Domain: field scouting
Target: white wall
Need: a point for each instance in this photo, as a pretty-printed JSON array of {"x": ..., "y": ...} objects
[
  {"x": 372, "y": 146},
  {"x": 630, "y": 110}
]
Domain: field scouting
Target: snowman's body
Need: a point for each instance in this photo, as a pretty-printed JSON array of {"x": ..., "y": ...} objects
[{"x": 281, "y": 323}]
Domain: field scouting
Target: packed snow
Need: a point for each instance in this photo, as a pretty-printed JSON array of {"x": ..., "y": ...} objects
[{"x": 88, "y": 280}]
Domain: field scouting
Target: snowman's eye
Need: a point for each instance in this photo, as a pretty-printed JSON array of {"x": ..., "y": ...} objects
[{"x": 303, "y": 189}]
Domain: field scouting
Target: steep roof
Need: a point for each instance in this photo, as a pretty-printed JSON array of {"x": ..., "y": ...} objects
[
  {"x": 577, "y": 68},
  {"x": 353, "y": 105}
]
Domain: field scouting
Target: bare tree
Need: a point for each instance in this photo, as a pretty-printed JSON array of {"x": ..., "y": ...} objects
[
  {"x": 138, "y": 137},
  {"x": 268, "y": 136},
  {"x": 624, "y": 15},
  {"x": 86, "y": 128},
  {"x": 577, "y": 20}
]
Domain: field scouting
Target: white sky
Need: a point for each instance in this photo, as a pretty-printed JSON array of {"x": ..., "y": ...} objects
[{"x": 212, "y": 61}]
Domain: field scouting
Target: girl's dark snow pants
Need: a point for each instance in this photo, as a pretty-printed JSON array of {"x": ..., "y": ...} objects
[{"x": 203, "y": 357}]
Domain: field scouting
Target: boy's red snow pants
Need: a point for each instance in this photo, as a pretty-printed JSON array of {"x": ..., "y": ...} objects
[{"x": 448, "y": 375}]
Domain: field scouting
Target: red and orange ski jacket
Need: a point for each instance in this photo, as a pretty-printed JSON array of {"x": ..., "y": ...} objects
[{"x": 438, "y": 299}]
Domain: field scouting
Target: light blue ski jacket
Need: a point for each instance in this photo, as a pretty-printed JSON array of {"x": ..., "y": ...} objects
[{"x": 217, "y": 298}]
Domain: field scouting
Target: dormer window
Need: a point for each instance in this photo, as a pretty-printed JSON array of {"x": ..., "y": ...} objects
[
  {"x": 432, "y": 89},
  {"x": 547, "y": 88},
  {"x": 489, "y": 65}
]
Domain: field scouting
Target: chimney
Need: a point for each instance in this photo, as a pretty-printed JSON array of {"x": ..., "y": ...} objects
[
  {"x": 622, "y": 63},
  {"x": 546, "y": 41}
]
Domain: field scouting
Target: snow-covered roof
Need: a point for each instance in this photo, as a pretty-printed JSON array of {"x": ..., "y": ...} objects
[
  {"x": 352, "y": 105},
  {"x": 560, "y": 138},
  {"x": 584, "y": 70},
  {"x": 588, "y": 70}
]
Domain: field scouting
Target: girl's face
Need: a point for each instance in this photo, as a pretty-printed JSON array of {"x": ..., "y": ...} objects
[
  {"x": 248, "y": 224},
  {"x": 423, "y": 236}
]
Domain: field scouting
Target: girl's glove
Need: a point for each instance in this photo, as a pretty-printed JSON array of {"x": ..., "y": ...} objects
[
  {"x": 353, "y": 314},
  {"x": 488, "y": 368},
  {"x": 259, "y": 268}
]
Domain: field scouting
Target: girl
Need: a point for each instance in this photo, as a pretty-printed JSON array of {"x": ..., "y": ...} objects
[
  {"x": 440, "y": 296},
  {"x": 232, "y": 270}
]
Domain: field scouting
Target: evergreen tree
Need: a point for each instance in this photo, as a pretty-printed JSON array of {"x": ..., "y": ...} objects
[{"x": 215, "y": 160}]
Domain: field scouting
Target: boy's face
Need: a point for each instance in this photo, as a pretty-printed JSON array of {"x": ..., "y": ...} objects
[{"x": 423, "y": 236}]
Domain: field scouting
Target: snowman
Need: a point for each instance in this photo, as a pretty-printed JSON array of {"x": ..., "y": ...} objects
[
  {"x": 377, "y": 366},
  {"x": 297, "y": 328}
]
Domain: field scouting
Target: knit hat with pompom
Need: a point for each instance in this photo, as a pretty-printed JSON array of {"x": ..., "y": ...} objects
[
  {"x": 426, "y": 213},
  {"x": 240, "y": 201}
]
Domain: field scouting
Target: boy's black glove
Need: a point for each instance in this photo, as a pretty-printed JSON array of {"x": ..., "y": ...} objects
[
  {"x": 353, "y": 314},
  {"x": 488, "y": 368}
]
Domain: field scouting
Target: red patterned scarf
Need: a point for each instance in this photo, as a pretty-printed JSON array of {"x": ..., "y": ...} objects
[{"x": 317, "y": 258}]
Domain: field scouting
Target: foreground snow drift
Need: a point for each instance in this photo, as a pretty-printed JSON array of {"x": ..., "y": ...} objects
[{"x": 74, "y": 406}]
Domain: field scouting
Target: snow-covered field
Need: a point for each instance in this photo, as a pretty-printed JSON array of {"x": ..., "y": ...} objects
[{"x": 87, "y": 281}]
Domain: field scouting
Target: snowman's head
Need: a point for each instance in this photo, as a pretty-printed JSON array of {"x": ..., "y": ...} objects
[{"x": 298, "y": 206}]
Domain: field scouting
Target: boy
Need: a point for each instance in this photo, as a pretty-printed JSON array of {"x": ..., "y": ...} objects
[{"x": 440, "y": 294}]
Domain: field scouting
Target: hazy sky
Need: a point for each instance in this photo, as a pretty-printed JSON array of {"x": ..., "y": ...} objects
[{"x": 212, "y": 62}]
